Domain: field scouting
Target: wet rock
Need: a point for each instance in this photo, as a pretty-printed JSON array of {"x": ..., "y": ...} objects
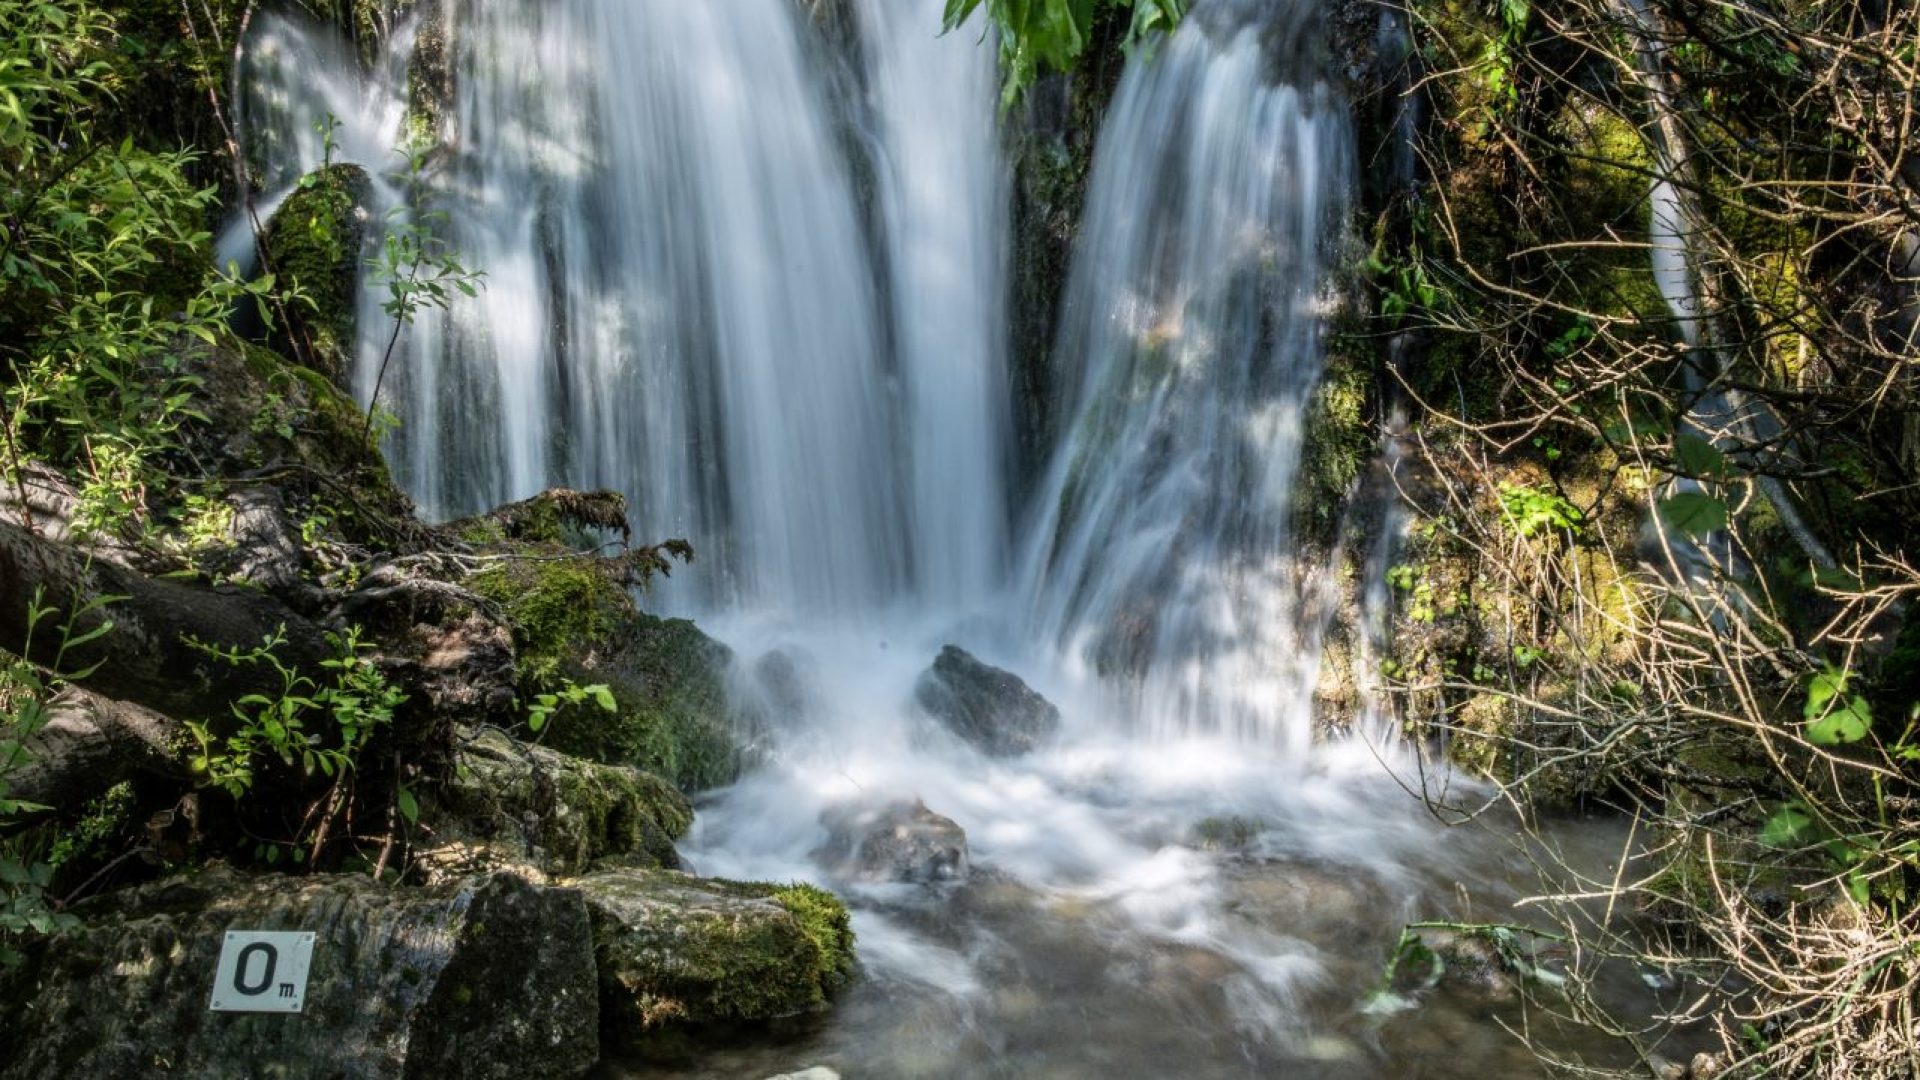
[
  {"x": 896, "y": 841},
  {"x": 784, "y": 685},
  {"x": 818, "y": 1072},
  {"x": 994, "y": 710},
  {"x": 1227, "y": 833},
  {"x": 510, "y": 803},
  {"x": 397, "y": 979},
  {"x": 676, "y": 951},
  {"x": 1474, "y": 966}
]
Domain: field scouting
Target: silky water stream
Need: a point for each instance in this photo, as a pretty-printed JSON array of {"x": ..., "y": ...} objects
[{"x": 755, "y": 278}]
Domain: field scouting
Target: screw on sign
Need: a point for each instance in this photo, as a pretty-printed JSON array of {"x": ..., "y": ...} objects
[{"x": 262, "y": 971}]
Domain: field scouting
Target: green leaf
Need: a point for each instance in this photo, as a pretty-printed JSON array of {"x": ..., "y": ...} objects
[
  {"x": 1788, "y": 826},
  {"x": 604, "y": 697},
  {"x": 409, "y": 806},
  {"x": 1697, "y": 457},
  {"x": 1848, "y": 722},
  {"x": 1694, "y": 513}
]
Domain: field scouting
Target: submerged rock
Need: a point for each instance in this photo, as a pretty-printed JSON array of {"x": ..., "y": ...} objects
[
  {"x": 488, "y": 977},
  {"x": 511, "y": 803},
  {"x": 676, "y": 951},
  {"x": 994, "y": 710},
  {"x": 1231, "y": 833},
  {"x": 896, "y": 841}
]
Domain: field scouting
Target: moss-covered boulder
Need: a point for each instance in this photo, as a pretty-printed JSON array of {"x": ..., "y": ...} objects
[
  {"x": 677, "y": 953},
  {"x": 512, "y": 803},
  {"x": 488, "y": 977},
  {"x": 574, "y": 620},
  {"x": 313, "y": 244}
]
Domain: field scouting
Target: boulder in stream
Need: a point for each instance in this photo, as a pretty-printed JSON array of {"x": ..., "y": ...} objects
[
  {"x": 487, "y": 977},
  {"x": 893, "y": 841},
  {"x": 994, "y": 710},
  {"x": 676, "y": 952}
]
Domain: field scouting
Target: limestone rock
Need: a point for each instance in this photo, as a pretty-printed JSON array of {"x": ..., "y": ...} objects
[
  {"x": 512, "y": 803},
  {"x": 484, "y": 978},
  {"x": 894, "y": 841},
  {"x": 989, "y": 708},
  {"x": 675, "y": 950}
]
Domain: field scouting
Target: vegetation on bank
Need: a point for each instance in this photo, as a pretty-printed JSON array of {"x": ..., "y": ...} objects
[{"x": 1677, "y": 581}]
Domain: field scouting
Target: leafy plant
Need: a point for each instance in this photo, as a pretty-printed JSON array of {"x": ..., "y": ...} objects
[
  {"x": 544, "y": 705},
  {"x": 1036, "y": 34},
  {"x": 416, "y": 266},
  {"x": 314, "y": 728},
  {"x": 103, "y": 268},
  {"x": 1531, "y": 510},
  {"x": 26, "y": 694}
]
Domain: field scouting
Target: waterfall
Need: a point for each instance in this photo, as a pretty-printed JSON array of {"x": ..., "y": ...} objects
[
  {"x": 684, "y": 300},
  {"x": 1160, "y": 556}
]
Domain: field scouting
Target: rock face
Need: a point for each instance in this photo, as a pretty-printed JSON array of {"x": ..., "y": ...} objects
[
  {"x": 989, "y": 708},
  {"x": 510, "y": 803},
  {"x": 488, "y": 977},
  {"x": 677, "y": 951},
  {"x": 896, "y": 841}
]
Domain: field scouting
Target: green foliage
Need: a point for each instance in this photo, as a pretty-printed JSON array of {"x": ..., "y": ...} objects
[
  {"x": 1531, "y": 510},
  {"x": 569, "y": 692},
  {"x": 1835, "y": 715},
  {"x": 1054, "y": 34},
  {"x": 103, "y": 267},
  {"x": 1693, "y": 513},
  {"x": 314, "y": 728},
  {"x": 26, "y": 695},
  {"x": 416, "y": 267}
]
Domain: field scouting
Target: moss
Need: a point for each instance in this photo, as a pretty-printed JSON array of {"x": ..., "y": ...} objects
[
  {"x": 574, "y": 621},
  {"x": 678, "y": 953},
  {"x": 558, "y": 606},
  {"x": 313, "y": 243},
  {"x": 824, "y": 919},
  {"x": 1338, "y": 442}
]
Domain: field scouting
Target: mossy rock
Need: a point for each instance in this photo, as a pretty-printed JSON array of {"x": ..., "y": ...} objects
[
  {"x": 313, "y": 244},
  {"x": 678, "y": 953},
  {"x": 396, "y": 974},
  {"x": 262, "y": 411},
  {"x": 513, "y": 803},
  {"x": 574, "y": 620},
  {"x": 1337, "y": 444}
]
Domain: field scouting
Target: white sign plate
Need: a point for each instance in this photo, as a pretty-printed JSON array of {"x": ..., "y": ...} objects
[{"x": 262, "y": 971}]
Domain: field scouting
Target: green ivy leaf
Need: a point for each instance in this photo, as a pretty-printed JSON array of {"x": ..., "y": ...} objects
[{"x": 409, "y": 806}]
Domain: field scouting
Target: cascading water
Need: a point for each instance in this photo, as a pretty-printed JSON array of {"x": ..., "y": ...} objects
[
  {"x": 1162, "y": 552},
  {"x": 766, "y": 302}
]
